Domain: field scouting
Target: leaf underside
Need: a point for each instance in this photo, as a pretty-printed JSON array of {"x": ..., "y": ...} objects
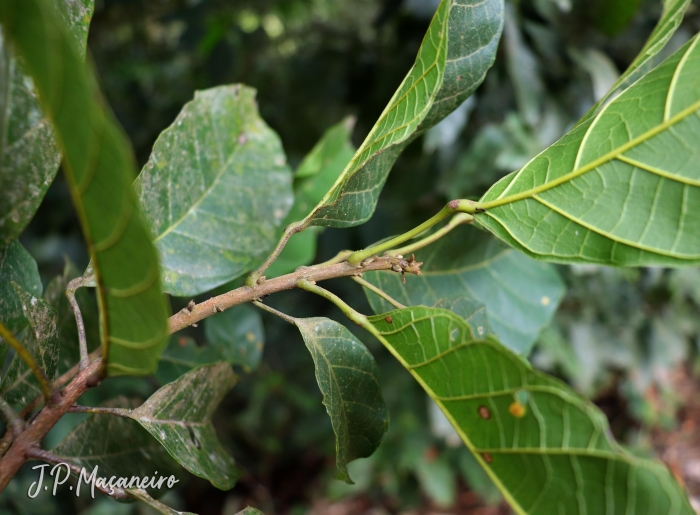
[
  {"x": 215, "y": 190},
  {"x": 348, "y": 377},
  {"x": 519, "y": 293},
  {"x": 670, "y": 20},
  {"x": 620, "y": 189},
  {"x": 548, "y": 449},
  {"x": 179, "y": 417},
  {"x": 458, "y": 49},
  {"x": 16, "y": 266},
  {"x": 99, "y": 168}
]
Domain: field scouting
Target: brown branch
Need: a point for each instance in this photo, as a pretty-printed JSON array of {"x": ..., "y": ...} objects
[
  {"x": 193, "y": 314},
  {"x": 27, "y": 442}
]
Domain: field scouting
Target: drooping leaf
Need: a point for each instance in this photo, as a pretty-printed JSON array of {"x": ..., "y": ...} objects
[
  {"x": 118, "y": 447},
  {"x": 99, "y": 168},
  {"x": 349, "y": 380},
  {"x": 237, "y": 336},
  {"x": 18, "y": 266},
  {"x": 314, "y": 177},
  {"x": 548, "y": 449},
  {"x": 29, "y": 156},
  {"x": 620, "y": 189},
  {"x": 670, "y": 20},
  {"x": 458, "y": 49},
  {"x": 520, "y": 294},
  {"x": 19, "y": 384},
  {"x": 179, "y": 417},
  {"x": 142, "y": 495},
  {"x": 215, "y": 190}
]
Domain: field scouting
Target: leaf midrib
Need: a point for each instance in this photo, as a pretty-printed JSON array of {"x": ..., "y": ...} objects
[{"x": 610, "y": 156}]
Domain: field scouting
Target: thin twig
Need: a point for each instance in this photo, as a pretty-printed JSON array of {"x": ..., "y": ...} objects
[
  {"x": 275, "y": 312},
  {"x": 40, "y": 454},
  {"x": 349, "y": 312},
  {"x": 15, "y": 423},
  {"x": 290, "y": 231},
  {"x": 75, "y": 307},
  {"x": 458, "y": 219},
  {"x": 452, "y": 207},
  {"x": 245, "y": 294},
  {"x": 119, "y": 412},
  {"x": 381, "y": 293},
  {"x": 26, "y": 356}
]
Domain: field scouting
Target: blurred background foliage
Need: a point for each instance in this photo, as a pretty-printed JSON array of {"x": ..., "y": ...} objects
[{"x": 628, "y": 338}]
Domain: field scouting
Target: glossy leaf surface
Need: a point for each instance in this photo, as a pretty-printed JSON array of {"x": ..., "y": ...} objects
[
  {"x": 99, "y": 169},
  {"x": 215, "y": 190},
  {"x": 349, "y": 380},
  {"x": 29, "y": 156},
  {"x": 548, "y": 449},
  {"x": 179, "y": 417},
  {"x": 519, "y": 293},
  {"x": 458, "y": 49},
  {"x": 620, "y": 189}
]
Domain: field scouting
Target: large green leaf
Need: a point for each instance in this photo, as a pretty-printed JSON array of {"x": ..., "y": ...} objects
[
  {"x": 99, "y": 169},
  {"x": 237, "y": 336},
  {"x": 29, "y": 156},
  {"x": 520, "y": 294},
  {"x": 19, "y": 384},
  {"x": 16, "y": 266},
  {"x": 622, "y": 188},
  {"x": 458, "y": 49},
  {"x": 313, "y": 178},
  {"x": 179, "y": 417},
  {"x": 349, "y": 380},
  {"x": 215, "y": 190},
  {"x": 670, "y": 20},
  {"x": 182, "y": 355},
  {"x": 548, "y": 449},
  {"x": 118, "y": 447}
]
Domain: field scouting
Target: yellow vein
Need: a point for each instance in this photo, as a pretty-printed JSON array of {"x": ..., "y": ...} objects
[{"x": 614, "y": 154}]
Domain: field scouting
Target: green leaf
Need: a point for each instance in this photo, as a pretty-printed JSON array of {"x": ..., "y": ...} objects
[
  {"x": 520, "y": 294},
  {"x": 237, "y": 336},
  {"x": 314, "y": 177},
  {"x": 143, "y": 496},
  {"x": 118, "y": 447},
  {"x": 215, "y": 190},
  {"x": 179, "y": 417},
  {"x": 16, "y": 266},
  {"x": 620, "y": 189},
  {"x": 29, "y": 156},
  {"x": 349, "y": 380},
  {"x": 548, "y": 449},
  {"x": 249, "y": 511},
  {"x": 182, "y": 355},
  {"x": 41, "y": 340},
  {"x": 670, "y": 20},
  {"x": 99, "y": 168},
  {"x": 457, "y": 51}
]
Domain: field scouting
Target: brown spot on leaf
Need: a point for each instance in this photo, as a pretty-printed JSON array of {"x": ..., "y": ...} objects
[
  {"x": 484, "y": 412},
  {"x": 487, "y": 457},
  {"x": 388, "y": 320}
]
